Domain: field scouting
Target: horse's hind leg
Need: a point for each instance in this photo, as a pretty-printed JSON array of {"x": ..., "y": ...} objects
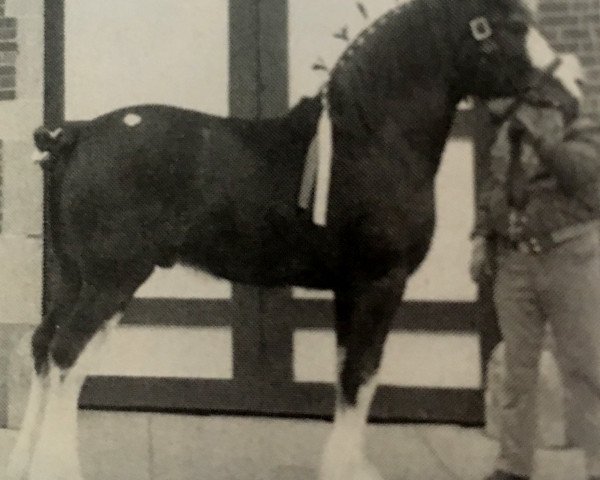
[
  {"x": 65, "y": 294},
  {"x": 20, "y": 457},
  {"x": 76, "y": 346},
  {"x": 363, "y": 316}
]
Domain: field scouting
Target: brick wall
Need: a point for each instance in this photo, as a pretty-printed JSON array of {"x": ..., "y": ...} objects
[
  {"x": 8, "y": 73},
  {"x": 8, "y": 54},
  {"x": 574, "y": 26}
]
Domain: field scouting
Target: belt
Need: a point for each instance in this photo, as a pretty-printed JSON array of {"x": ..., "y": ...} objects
[
  {"x": 572, "y": 231},
  {"x": 531, "y": 246},
  {"x": 537, "y": 244}
]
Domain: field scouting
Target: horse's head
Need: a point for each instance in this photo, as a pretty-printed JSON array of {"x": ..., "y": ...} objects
[
  {"x": 500, "y": 51},
  {"x": 559, "y": 88}
]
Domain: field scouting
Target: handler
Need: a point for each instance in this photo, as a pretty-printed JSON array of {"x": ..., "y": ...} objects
[{"x": 537, "y": 222}]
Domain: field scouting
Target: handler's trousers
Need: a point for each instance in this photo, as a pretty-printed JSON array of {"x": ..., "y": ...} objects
[{"x": 560, "y": 286}]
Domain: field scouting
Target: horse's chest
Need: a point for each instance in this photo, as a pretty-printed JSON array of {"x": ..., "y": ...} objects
[
  {"x": 383, "y": 197},
  {"x": 388, "y": 215}
]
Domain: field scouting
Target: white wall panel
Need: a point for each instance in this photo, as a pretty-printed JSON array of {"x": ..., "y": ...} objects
[
  {"x": 124, "y": 52},
  {"x": 184, "y": 283},
  {"x": 411, "y": 359},
  {"x": 169, "y": 352},
  {"x": 444, "y": 275}
]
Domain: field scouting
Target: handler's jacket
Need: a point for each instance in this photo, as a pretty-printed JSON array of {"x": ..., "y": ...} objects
[{"x": 562, "y": 184}]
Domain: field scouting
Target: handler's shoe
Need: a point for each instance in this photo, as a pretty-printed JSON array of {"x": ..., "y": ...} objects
[{"x": 500, "y": 475}]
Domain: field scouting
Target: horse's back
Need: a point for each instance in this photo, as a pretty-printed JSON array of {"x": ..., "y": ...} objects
[{"x": 177, "y": 185}]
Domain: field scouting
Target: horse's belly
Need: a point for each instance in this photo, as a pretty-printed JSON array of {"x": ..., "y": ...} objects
[
  {"x": 261, "y": 267},
  {"x": 264, "y": 255}
]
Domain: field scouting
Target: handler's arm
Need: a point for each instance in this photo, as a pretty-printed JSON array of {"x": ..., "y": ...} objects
[
  {"x": 490, "y": 184},
  {"x": 482, "y": 211},
  {"x": 574, "y": 161}
]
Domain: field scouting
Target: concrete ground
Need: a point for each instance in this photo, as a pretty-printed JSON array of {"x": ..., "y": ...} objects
[{"x": 141, "y": 446}]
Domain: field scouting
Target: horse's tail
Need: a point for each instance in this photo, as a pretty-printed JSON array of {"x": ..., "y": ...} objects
[
  {"x": 56, "y": 142},
  {"x": 55, "y": 150}
]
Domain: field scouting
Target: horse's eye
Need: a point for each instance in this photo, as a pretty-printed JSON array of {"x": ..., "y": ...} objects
[{"x": 517, "y": 27}]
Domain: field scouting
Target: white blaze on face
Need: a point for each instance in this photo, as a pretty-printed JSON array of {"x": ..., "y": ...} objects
[
  {"x": 571, "y": 75},
  {"x": 344, "y": 456},
  {"x": 541, "y": 55},
  {"x": 539, "y": 50}
]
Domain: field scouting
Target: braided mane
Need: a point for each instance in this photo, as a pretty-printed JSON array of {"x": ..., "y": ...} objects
[
  {"x": 365, "y": 33},
  {"x": 404, "y": 49}
]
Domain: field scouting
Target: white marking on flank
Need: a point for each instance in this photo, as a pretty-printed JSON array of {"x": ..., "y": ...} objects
[
  {"x": 539, "y": 50},
  {"x": 132, "y": 119},
  {"x": 56, "y": 455},
  {"x": 344, "y": 457}
]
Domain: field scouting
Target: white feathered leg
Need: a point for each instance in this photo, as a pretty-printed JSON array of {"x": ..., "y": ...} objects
[
  {"x": 20, "y": 458},
  {"x": 56, "y": 455},
  {"x": 344, "y": 457}
]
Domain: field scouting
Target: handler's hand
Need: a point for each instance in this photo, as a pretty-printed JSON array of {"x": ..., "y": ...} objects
[
  {"x": 545, "y": 126},
  {"x": 480, "y": 265}
]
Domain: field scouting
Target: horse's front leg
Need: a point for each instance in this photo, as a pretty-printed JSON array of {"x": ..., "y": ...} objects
[{"x": 364, "y": 312}]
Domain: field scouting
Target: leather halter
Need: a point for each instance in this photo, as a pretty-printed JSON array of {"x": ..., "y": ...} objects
[
  {"x": 480, "y": 29},
  {"x": 482, "y": 32},
  {"x": 522, "y": 98}
]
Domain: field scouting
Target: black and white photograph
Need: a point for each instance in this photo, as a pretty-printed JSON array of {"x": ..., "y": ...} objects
[{"x": 300, "y": 239}]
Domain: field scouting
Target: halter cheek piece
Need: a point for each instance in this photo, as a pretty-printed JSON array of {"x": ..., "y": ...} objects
[
  {"x": 481, "y": 31},
  {"x": 529, "y": 96}
]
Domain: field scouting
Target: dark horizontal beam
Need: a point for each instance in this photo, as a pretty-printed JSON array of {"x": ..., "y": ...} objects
[
  {"x": 416, "y": 316},
  {"x": 180, "y": 312},
  {"x": 391, "y": 404}
]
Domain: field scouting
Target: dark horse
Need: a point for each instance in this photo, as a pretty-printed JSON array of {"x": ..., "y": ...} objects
[{"x": 155, "y": 185}]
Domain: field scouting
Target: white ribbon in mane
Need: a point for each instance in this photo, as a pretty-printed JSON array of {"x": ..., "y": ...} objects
[{"x": 316, "y": 178}]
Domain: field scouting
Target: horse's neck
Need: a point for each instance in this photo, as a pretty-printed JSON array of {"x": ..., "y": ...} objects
[
  {"x": 404, "y": 76},
  {"x": 424, "y": 118}
]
